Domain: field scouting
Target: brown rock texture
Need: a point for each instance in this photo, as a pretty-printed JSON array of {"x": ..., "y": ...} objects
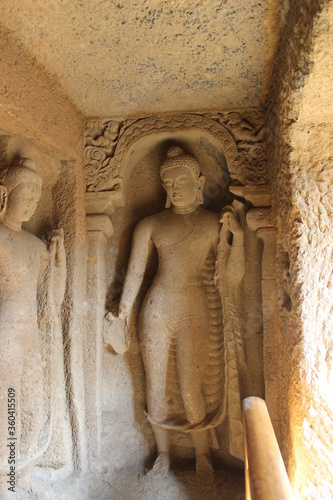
[
  {"x": 144, "y": 69},
  {"x": 34, "y": 106},
  {"x": 40, "y": 122},
  {"x": 301, "y": 156},
  {"x": 116, "y": 58}
]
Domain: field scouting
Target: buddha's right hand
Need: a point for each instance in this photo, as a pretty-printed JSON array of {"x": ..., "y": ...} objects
[
  {"x": 116, "y": 332},
  {"x": 123, "y": 313}
]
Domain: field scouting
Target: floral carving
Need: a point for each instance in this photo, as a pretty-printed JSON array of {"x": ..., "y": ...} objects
[
  {"x": 248, "y": 130},
  {"x": 240, "y": 133},
  {"x": 101, "y": 139}
]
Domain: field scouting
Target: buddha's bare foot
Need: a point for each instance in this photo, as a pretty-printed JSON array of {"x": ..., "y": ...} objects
[
  {"x": 204, "y": 466},
  {"x": 162, "y": 463}
]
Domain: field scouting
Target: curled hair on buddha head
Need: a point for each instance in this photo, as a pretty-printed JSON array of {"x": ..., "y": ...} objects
[
  {"x": 20, "y": 171},
  {"x": 176, "y": 157}
]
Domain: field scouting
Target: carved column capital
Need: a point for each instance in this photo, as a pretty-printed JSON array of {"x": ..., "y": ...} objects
[
  {"x": 103, "y": 201},
  {"x": 99, "y": 223},
  {"x": 259, "y": 196},
  {"x": 260, "y": 218}
]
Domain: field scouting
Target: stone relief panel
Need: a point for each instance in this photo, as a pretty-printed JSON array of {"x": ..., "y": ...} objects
[
  {"x": 180, "y": 321},
  {"x": 248, "y": 130},
  {"x": 241, "y": 135},
  {"x": 229, "y": 152},
  {"x": 101, "y": 138},
  {"x": 33, "y": 276}
]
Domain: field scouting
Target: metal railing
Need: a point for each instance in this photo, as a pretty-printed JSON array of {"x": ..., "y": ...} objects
[{"x": 265, "y": 474}]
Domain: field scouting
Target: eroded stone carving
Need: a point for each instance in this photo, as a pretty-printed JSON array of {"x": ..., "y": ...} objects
[
  {"x": 240, "y": 134},
  {"x": 246, "y": 126},
  {"x": 248, "y": 130},
  {"x": 101, "y": 139},
  {"x": 32, "y": 275},
  {"x": 190, "y": 365}
]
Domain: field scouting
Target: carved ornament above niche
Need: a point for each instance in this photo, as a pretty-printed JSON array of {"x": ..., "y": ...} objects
[
  {"x": 248, "y": 130},
  {"x": 239, "y": 135}
]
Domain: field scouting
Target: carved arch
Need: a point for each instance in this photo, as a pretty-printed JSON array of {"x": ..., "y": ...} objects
[
  {"x": 175, "y": 123},
  {"x": 107, "y": 151}
]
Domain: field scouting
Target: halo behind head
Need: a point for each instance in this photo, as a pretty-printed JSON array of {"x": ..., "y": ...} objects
[{"x": 176, "y": 157}]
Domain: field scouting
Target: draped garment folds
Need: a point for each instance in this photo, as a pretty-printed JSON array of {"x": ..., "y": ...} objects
[{"x": 182, "y": 337}]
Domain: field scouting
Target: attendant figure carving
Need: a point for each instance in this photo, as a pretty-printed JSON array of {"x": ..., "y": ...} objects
[
  {"x": 180, "y": 323},
  {"x": 32, "y": 276}
]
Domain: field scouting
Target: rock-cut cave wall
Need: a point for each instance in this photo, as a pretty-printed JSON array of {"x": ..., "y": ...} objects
[{"x": 301, "y": 157}]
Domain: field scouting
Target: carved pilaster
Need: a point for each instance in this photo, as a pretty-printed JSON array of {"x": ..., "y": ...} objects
[
  {"x": 103, "y": 194},
  {"x": 99, "y": 229},
  {"x": 261, "y": 221}
]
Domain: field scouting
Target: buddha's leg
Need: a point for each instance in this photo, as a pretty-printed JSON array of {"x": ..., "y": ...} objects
[
  {"x": 155, "y": 343},
  {"x": 203, "y": 459},
  {"x": 11, "y": 361},
  {"x": 32, "y": 391},
  {"x": 162, "y": 462},
  {"x": 191, "y": 357}
]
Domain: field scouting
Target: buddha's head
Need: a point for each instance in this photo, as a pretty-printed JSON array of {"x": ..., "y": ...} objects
[
  {"x": 20, "y": 192},
  {"x": 182, "y": 179}
]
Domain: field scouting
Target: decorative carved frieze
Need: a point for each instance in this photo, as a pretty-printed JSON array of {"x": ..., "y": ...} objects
[
  {"x": 101, "y": 138},
  {"x": 248, "y": 130},
  {"x": 240, "y": 134}
]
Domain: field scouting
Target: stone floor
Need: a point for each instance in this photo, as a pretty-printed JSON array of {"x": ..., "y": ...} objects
[
  {"x": 125, "y": 474},
  {"x": 131, "y": 484}
]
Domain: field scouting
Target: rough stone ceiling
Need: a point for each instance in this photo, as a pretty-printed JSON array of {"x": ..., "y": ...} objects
[{"x": 117, "y": 57}]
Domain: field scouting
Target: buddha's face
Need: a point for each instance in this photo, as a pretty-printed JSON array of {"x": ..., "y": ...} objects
[
  {"x": 23, "y": 200},
  {"x": 181, "y": 185}
]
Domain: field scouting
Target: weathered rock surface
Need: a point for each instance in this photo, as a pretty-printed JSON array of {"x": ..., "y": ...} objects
[
  {"x": 116, "y": 58},
  {"x": 302, "y": 186}
]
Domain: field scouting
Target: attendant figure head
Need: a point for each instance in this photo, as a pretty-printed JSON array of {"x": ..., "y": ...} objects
[
  {"x": 20, "y": 191},
  {"x": 182, "y": 180}
]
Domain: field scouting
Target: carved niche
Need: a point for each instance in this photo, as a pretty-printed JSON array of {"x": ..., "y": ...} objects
[
  {"x": 241, "y": 135},
  {"x": 234, "y": 144}
]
